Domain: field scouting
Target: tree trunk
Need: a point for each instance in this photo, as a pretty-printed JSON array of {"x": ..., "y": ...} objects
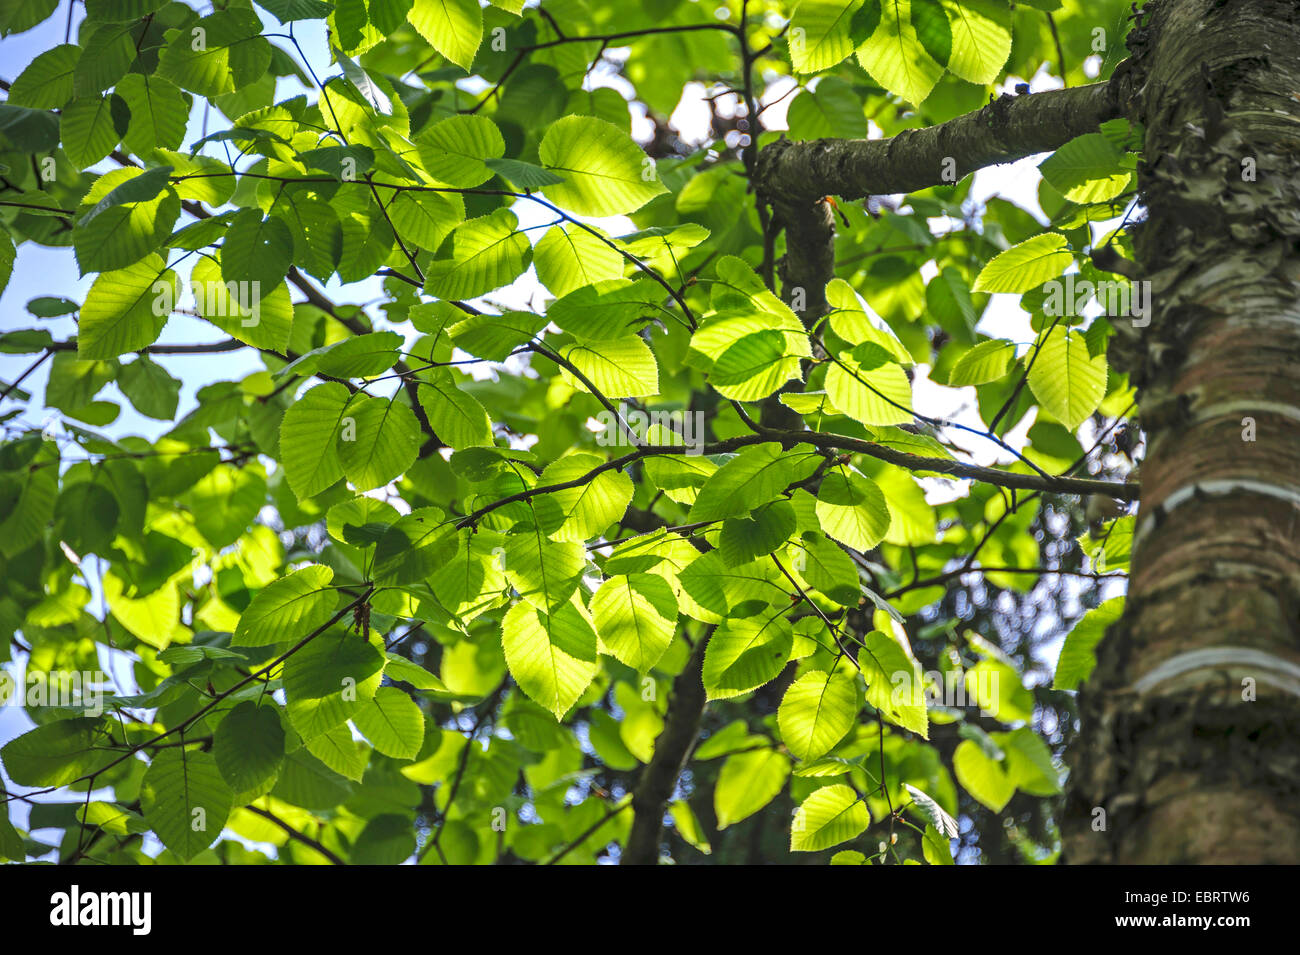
[
  {"x": 1189, "y": 750},
  {"x": 672, "y": 750}
]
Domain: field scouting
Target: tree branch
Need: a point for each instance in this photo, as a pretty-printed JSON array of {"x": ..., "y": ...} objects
[
  {"x": 818, "y": 439},
  {"x": 792, "y": 176},
  {"x": 295, "y": 835},
  {"x": 1007, "y": 129},
  {"x": 672, "y": 749}
]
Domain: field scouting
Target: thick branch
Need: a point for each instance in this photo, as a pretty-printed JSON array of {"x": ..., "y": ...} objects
[
  {"x": 672, "y": 749},
  {"x": 794, "y": 176},
  {"x": 1007, "y": 129}
]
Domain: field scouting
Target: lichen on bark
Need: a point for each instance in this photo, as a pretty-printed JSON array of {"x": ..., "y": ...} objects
[{"x": 1207, "y": 770}]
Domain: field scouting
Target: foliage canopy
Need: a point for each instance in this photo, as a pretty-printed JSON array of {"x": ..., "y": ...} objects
[{"x": 422, "y": 584}]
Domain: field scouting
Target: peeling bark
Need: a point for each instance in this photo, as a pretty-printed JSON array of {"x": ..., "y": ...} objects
[{"x": 1187, "y": 768}]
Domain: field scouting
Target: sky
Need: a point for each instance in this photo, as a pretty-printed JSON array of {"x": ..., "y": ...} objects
[{"x": 44, "y": 271}]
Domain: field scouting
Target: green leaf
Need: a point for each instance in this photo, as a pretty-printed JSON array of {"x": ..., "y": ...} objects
[
  {"x": 571, "y": 259},
  {"x": 895, "y": 56},
  {"x": 981, "y": 38},
  {"x": 379, "y": 440},
  {"x": 742, "y": 655},
  {"x": 31, "y": 130},
  {"x": 1025, "y": 266},
  {"x": 868, "y": 386},
  {"x": 47, "y": 82},
  {"x": 933, "y": 813},
  {"x": 88, "y": 514},
  {"x": 894, "y": 685},
  {"x": 745, "y": 538},
  {"x": 22, "y": 16},
  {"x": 754, "y": 367},
  {"x": 1066, "y": 380},
  {"x": 852, "y": 509},
  {"x": 393, "y": 723},
  {"x": 57, "y": 753},
  {"x": 288, "y": 609},
  {"x": 453, "y": 151},
  {"x": 386, "y": 840},
  {"x": 523, "y": 175},
  {"x": 818, "y": 710},
  {"x": 452, "y": 27},
  {"x": 310, "y": 436},
  {"x": 825, "y": 565},
  {"x": 1086, "y": 169},
  {"x": 494, "y": 336},
  {"x": 153, "y": 391},
  {"x": 105, "y": 58},
  {"x": 359, "y": 356},
  {"x": 90, "y": 127},
  {"x": 545, "y": 572},
  {"x": 488, "y": 253},
  {"x": 185, "y": 800},
  {"x": 605, "y": 172},
  {"x": 257, "y": 316},
  {"x": 987, "y": 361},
  {"x": 126, "y": 310},
  {"x": 336, "y": 748},
  {"x": 218, "y": 54},
  {"x": 257, "y": 251},
  {"x": 306, "y": 781},
  {"x": 424, "y": 219},
  {"x": 121, "y": 11},
  {"x": 590, "y": 507},
  {"x": 981, "y": 776},
  {"x": 456, "y": 416},
  {"x": 11, "y": 844},
  {"x": 635, "y": 617},
  {"x": 933, "y": 29},
  {"x": 753, "y": 477},
  {"x": 551, "y": 656},
  {"x": 747, "y": 782},
  {"x": 833, "y": 109},
  {"x": 711, "y": 589},
  {"x": 113, "y": 819},
  {"x": 122, "y": 235},
  {"x": 288, "y": 10},
  {"x": 249, "y": 747},
  {"x": 414, "y": 547},
  {"x": 330, "y": 680},
  {"x": 831, "y": 815},
  {"x": 8, "y": 254},
  {"x": 618, "y": 367},
  {"x": 1029, "y": 762},
  {"x": 819, "y": 34},
  {"x": 1077, "y": 658},
  {"x": 610, "y": 309},
  {"x": 136, "y": 189},
  {"x": 159, "y": 113},
  {"x": 688, "y": 826},
  {"x": 47, "y": 306}
]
